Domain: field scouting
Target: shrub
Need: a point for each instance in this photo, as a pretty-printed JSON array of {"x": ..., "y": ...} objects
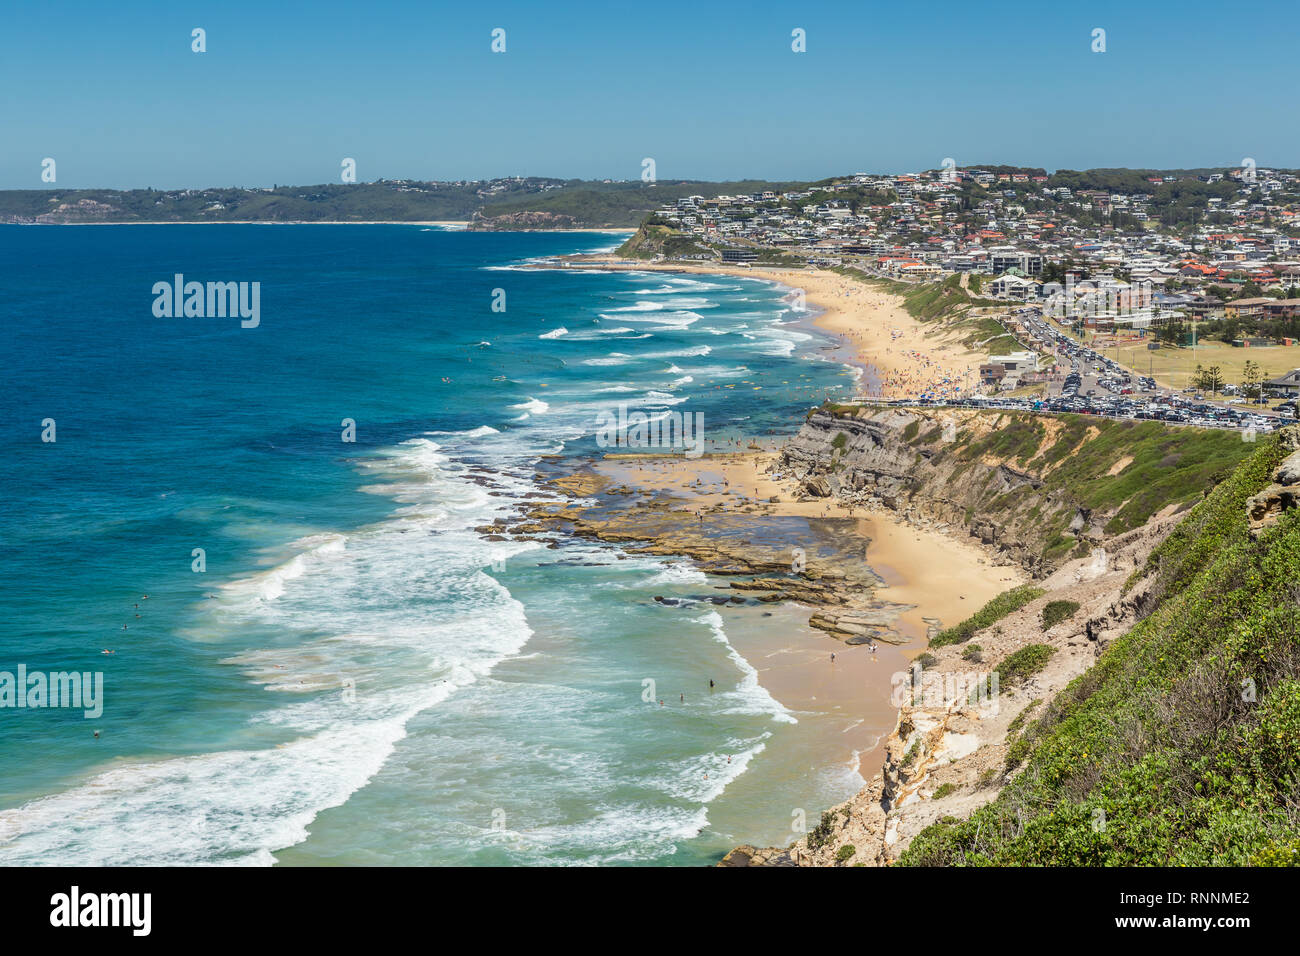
[
  {"x": 1018, "y": 721},
  {"x": 821, "y": 834},
  {"x": 991, "y": 613},
  {"x": 972, "y": 653},
  {"x": 1024, "y": 663},
  {"x": 926, "y": 660},
  {"x": 844, "y": 852},
  {"x": 943, "y": 790},
  {"x": 1054, "y": 612}
]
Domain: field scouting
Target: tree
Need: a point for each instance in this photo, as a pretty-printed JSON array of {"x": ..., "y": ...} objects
[
  {"x": 1171, "y": 333},
  {"x": 1250, "y": 379},
  {"x": 1208, "y": 379}
]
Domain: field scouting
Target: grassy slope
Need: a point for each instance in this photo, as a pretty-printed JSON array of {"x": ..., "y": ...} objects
[
  {"x": 1169, "y": 466},
  {"x": 947, "y": 304},
  {"x": 1161, "y": 739}
]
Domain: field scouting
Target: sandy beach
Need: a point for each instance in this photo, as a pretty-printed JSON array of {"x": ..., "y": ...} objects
[
  {"x": 942, "y": 576},
  {"x": 926, "y": 576},
  {"x": 900, "y": 356},
  {"x": 938, "y": 578}
]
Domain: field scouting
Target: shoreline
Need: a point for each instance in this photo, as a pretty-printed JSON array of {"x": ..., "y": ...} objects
[
  {"x": 732, "y": 516},
  {"x": 927, "y": 579},
  {"x": 897, "y": 355}
]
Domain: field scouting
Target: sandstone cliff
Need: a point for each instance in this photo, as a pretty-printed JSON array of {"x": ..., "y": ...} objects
[
  {"x": 1054, "y": 496},
  {"x": 1037, "y": 490}
]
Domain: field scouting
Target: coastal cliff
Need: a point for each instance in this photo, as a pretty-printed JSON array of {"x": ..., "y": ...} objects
[
  {"x": 1108, "y": 696},
  {"x": 1036, "y": 490}
]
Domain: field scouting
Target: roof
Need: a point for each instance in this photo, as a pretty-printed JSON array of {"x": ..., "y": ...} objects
[{"x": 1290, "y": 378}]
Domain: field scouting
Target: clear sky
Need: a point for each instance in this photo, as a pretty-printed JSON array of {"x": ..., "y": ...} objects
[{"x": 711, "y": 90}]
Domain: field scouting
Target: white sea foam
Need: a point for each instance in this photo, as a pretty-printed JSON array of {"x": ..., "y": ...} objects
[
  {"x": 750, "y": 697},
  {"x": 534, "y": 406},
  {"x": 614, "y": 358},
  {"x": 402, "y": 620}
]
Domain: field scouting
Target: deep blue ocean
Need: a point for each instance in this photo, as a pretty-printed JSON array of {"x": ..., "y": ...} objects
[{"x": 356, "y": 675}]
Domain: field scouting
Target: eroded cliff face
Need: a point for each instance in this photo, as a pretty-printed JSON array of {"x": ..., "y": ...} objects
[
  {"x": 952, "y": 749},
  {"x": 946, "y": 469},
  {"x": 954, "y": 745}
]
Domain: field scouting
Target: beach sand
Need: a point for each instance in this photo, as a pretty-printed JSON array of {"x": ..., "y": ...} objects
[
  {"x": 943, "y": 577},
  {"x": 901, "y": 357}
]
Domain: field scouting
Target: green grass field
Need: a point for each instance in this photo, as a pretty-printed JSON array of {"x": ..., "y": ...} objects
[{"x": 1173, "y": 367}]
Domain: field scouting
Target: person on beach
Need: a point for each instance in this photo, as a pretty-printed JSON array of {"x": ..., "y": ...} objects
[
  {"x": 710, "y": 683},
  {"x": 832, "y": 657}
]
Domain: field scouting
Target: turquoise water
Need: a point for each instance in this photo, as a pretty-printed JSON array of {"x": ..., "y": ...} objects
[{"x": 357, "y": 676}]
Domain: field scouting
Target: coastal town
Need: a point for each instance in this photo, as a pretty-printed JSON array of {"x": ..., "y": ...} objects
[{"x": 1173, "y": 296}]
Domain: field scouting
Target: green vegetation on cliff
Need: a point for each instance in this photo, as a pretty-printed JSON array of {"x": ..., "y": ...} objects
[
  {"x": 1181, "y": 746},
  {"x": 652, "y": 240},
  {"x": 991, "y": 613},
  {"x": 1128, "y": 470}
]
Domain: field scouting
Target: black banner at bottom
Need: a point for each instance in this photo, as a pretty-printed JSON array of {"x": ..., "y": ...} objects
[{"x": 332, "y": 906}]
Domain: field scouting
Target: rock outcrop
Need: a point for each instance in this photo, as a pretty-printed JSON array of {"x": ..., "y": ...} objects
[
  {"x": 941, "y": 469},
  {"x": 950, "y": 751},
  {"x": 1263, "y": 509}
]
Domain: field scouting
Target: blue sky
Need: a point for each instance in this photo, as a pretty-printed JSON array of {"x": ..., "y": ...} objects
[{"x": 286, "y": 90}]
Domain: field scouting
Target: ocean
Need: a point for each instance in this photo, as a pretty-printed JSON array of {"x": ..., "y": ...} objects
[{"x": 315, "y": 657}]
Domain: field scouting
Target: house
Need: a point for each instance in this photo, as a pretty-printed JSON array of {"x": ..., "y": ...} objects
[
  {"x": 1006, "y": 371},
  {"x": 1246, "y": 308},
  {"x": 1009, "y": 286},
  {"x": 1287, "y": 385},
  {"x": 1282, "y": 308}
]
